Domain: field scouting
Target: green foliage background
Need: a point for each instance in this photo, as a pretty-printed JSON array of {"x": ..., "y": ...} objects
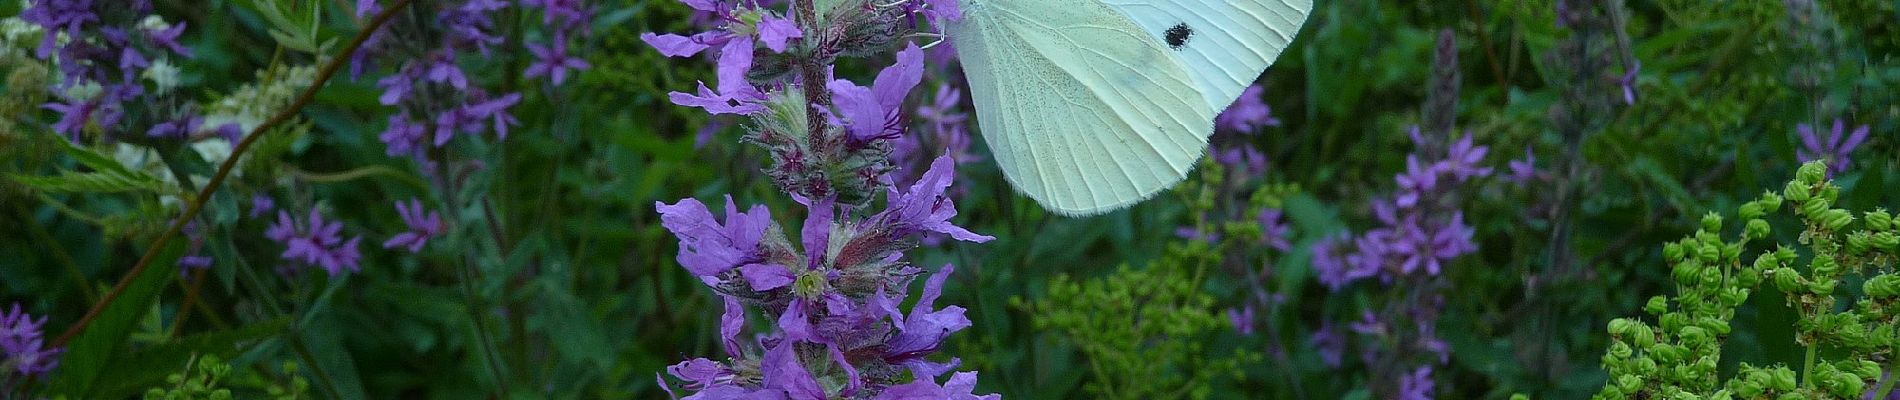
[{"x": 579, "y": 292}]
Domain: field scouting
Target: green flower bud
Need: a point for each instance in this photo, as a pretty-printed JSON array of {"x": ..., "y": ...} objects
[
  {"x": 1791, "y": 396},
  {"x": 1787, "y": 280},
  {"x": 1712, "y": 222},
  {"x": 1711, "y": 276},
  {"x": 1749, "y": 210},
  {"x": 1782, "y": 379},
  {"x": 1797, "y": 192},
  {"x": 1770, "y": 202},
  {"x": 1814, "y": 207},
  {"x": 1812, "y": 172},
  {"x": 1748, "y": 277},
  {"x": 1765, "y": 263},
  {"x": 1644, "y": 338},
  {"x": 1621, "y": 326},
  {"x": 1757, "y": 229},
  {"x": 1687, "y": 272},
  {"x": 1672, "y": 252},
  {"x": 1621, "y": 351},
  {"x": 1824, "y": 266},
  {"x": 1822, "y": 287},
  {"x": 1829, "y": 192},
  {"x": 1708, "y": 253},
  {"x": 1693, "y": 335},
  {"x": 1733, "y": 296},
  {"x": 1859, "y": 243},
  {"x": 1867, "y": 370},
  {"x": 1785, "y": 254},
  {"x": 1881, "y": 286},
  {"x": 1888, "y": 241},
  {"x": 1878, "y": 219},
  {"x": 1629, "y": 383},
  {"x": 1719, "y": 326},
  {"x": 1656, "y": 306},
  {"x": 1837, "y": 219}
]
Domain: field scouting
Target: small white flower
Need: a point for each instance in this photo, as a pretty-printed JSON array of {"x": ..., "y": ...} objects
[{"x": 163, "y": 74}]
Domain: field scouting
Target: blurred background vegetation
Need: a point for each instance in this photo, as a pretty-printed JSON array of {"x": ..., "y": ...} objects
[{"x": 580, "y": 294}]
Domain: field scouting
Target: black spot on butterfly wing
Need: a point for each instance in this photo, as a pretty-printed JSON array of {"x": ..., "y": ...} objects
[{"x": 1178, "y": 35}]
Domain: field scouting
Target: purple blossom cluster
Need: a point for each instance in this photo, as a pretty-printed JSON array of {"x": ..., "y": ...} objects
[
  {"x": 316, "y": 242},
  {"x": 25, "y": 354},
  {"x": 1421, "y": 228},
  {"x": 834, "y": 304},
  {"x": 105, "y": 51},
  {"x": 430, "y": 88},
  {"x": 1246, "y": 117},
  {"x": 733, "y": 36}
]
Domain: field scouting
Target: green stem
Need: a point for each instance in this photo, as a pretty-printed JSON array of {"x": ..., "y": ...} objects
[
  {"x": 1807, "y": 368},
  {"x": 1886, "y": 384}
]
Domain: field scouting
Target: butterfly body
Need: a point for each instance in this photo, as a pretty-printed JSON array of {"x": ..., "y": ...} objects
[{"x": 1092, "y": 105}]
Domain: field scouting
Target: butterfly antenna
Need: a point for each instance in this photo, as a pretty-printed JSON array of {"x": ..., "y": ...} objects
[{"x": 933, "y": 43}]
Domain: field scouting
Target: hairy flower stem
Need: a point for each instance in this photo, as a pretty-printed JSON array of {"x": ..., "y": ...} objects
[
  {"x": 445, "y": 183},
  {"x": 812, "y": 72},
  {"x": 196, "y": 204}
]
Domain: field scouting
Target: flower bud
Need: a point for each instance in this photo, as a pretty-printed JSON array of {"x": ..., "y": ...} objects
[
  {"x": 1733, "y": 296},
  {"x": 1770, "y": 202},
  {"x": 1781, "y": 379},
  {"x": 1867, "y": 370},
  {"x": 1878, "y": 220},
  {"x": 1888, "y": 241},
  {"x": 1787, "y": 280},
  {"x": 1797, "y": 192},
  {"x": 1687, "y": 272},
  {"x": 1815, "y": 207},
  {"x": 1824, "y": 266},
  {"x": 1757, "y": 229},
  {"x": 1672, "y": 252},
  {"x": 1882, "y": 286},
  {"x": 1859, "y": 243},
  {"x": 1812, "y": 172},
  {"x": 1693, "y": 335},
  {"x": 1837, "y": 219},
  {"x": 1822, "y": 287},
  {"x": 1712, "y": 222},
  {"x": 1629, "y": 383},
  {"x": 1620, "y": 350},
  {"x": 1657, "y": 305},
  {"x": 1620, "y": 327},
  {"x": 1708, "y": 253},
  {"x": 1749, "y": 210},
  {"x": 1643, "y": 337},
  {"x": 1748, "y": 278},
  {"x": 1785, "y": 254}
]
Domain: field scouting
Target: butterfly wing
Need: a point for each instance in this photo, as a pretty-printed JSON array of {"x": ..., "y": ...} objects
[
  {"x": 1083, "y": 110},
  {"x": 1227, "y": 43}
]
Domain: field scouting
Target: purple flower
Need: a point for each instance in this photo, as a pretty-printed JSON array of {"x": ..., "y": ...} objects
[
  {"x": 1628, "y": 82},
  {"x": 872, "y": 112},
  {"x": 1416, "y": 385},
  {"x": 422, "y": 226},
  {"x": 924, "y": 208},
  {"x": 959, "y": 387},
  {"x": 784, "y": 374},
  {"x": 316, "y": 242},
  {"x": 56, "y": 17},
  {"x": 1248, "y": 114},
  {"x": 553, "y": 61},
  {"x": 1242, "y": 319},
  {"x": 734, "y": 95},
  {"x": 21, "y": 342},
  {"x": 404, "y": 138},
  {"x": 1833, "y": 149},
  {"x": 1418, "y": 181},
  {"x": 569, "y": 12},
  {"x": 1244, "y": 156},
  {"x": 1329, "y": 343},
  {"x": 1463, "y": 159},
  {"x": 176, "y": 129},
  {"x": 1330, "y": 261},
  {"x": 261, "y": 204},
  {"x": 709, "y": 248},
  {"x": 1522, "y": 171},
  {"x": 1274, "y": 228},
  {"x": 924, "y": 329}
]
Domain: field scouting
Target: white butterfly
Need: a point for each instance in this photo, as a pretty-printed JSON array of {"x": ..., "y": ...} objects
[{"x": 1093, "y": 105}]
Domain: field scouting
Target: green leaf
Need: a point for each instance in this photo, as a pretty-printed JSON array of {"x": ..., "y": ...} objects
[
  {"x": 91, "y": 182},
  {"x": 88, "y": 354}
]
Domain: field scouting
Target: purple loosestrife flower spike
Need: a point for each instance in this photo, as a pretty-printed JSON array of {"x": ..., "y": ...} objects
[
  {"x": 783, "y": 373},
  {"x": 1628, "y": 82},
  {"x": 423, "y": 225},
  {"x": 1248, "y": 114},
  {"x": 1329, "y": 343},
  {"x": 1835, "y": 149},
  {"x": 22, "y": 344},
  {"x": 709, "y": 248},
  {"x": 261, "y": 204},
  {"x": 1242, "y": 319}
]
